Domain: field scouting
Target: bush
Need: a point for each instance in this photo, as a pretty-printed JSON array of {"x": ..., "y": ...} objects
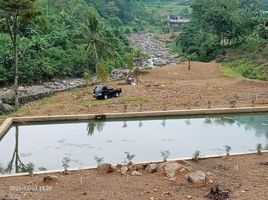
[{"x": 252, "y": 43}]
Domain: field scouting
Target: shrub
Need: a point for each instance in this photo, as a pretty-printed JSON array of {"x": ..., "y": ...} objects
[
  {"x": 165, "y": 155},
  {"x": 196, "y": 156},
  {"x": 66, "y": 164},
  {"x": 252, "y": 43},
  {"x": 259, "y": 148},
  {"x": 98, "y": 160},
  {"x": 129, "y": 157},
  {"x": 227, "y": 150}
]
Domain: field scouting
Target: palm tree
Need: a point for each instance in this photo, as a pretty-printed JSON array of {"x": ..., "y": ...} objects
[
  {"x": 95, "y": 125},
  {"x": 100, "y": 41}
]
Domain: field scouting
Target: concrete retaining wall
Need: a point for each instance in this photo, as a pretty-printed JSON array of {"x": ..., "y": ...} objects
[
  {"x": 5, "y": 127},
  {"x": 130, "y": 115}
]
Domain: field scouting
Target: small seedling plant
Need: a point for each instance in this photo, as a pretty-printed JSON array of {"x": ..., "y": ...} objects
[
  {"x": 98, "y": 160},
  {"x": 129, "y": 157},
  {"x": 66, "y": 164},
  {"x": 28, "y": 168},
  {"x": 259, "y": 148},
  {"x": 165, "y": 155},
  {"x": 196, "y": 156},
  {"x": 227, "y": 150}
]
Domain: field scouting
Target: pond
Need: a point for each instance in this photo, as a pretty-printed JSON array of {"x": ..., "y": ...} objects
[{"x": 45, "y": 145}]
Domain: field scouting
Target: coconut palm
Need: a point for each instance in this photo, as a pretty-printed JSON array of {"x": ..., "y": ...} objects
[{"x": 100, "y": 42}]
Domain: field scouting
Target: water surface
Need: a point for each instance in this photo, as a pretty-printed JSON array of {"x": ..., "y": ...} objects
[{"x": 45, "y": 145}]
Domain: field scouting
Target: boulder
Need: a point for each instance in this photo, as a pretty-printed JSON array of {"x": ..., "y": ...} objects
[
  {"x": 5, "y": 108},
  {"x": 140, "y": 166},
  {"x": 136, "y": 173},
  {"x": 171, "y": 168},
  {"x": 197, "y": 177},
  {"x": 159, "y": 62},
  {"x": 50, "y": 178},
  {"x": 151, "y": 168},
  {"x": 136, "y": 167},
  {"x": 105, "y": 168},
  {"x": 124, "y": 170}
]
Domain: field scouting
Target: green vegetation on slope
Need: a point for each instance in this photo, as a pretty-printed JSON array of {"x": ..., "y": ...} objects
[
  {"x": 52, "y": 47},
  {"x": 58, "y": 43},
  {"x": 228, "y": 30}
]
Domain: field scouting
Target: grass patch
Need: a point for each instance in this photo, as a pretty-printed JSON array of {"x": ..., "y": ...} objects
[
  {"x": 245, "y": 68},
  {"x": 120, "y": 100},
  {"x": 230, "y": 72},
  {"x": 35, "y": 105},
  {"x": 165, "y": 8},
  {"x": 136, "y": 99}
]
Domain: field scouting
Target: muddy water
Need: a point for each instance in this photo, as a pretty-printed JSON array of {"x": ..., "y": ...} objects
[{"x": 45, "y": 145}]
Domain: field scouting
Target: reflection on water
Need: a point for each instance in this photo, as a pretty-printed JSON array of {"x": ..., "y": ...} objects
[
  {"x": 95, "y": 125},
  {"x": 256, "y": 123},
  {"x": 15, "y": 164},
  {"x": 45, "y": 145}
]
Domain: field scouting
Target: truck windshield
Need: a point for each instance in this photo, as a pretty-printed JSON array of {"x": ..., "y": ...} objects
[{"x": 98, "y": 89}]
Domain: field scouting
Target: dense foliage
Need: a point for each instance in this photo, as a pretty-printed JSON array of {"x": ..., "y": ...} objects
[
  {"x": 224, "y": 24},
  {"x": 233, "y": 31},
  {"x": 51, "y": 46},
  {"x": 61, "y": 43}
]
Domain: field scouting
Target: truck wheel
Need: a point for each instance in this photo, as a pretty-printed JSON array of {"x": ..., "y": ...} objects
[
  {"x": 106, "y": 96},
  {"x": 116, "y": 94}
]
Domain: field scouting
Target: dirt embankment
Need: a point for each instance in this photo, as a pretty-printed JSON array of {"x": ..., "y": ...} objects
[{"x": 241, "y": 177}]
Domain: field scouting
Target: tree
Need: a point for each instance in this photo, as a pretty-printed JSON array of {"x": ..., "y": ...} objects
[
  {"x": 14, "y": 15},
  {"x": 220, "y": 17},
  {"x": 100, "y": 41},
  {"x": 102, "y": 73},
  {"x": 196, "y": 43},
  {"x": 95, "y": 125}
]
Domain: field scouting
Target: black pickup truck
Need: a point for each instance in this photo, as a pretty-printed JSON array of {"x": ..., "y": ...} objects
[{"x": 103, "y": 92}]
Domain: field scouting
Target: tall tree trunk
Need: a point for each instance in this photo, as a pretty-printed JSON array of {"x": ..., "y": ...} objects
[
  {"x": 96, "y": 53},
  {"x": 96, "y": 56},
  {"x": 189, "y": 64},
  {"x": 96, "y": 60},
  {"x": 15, "y": 55}
]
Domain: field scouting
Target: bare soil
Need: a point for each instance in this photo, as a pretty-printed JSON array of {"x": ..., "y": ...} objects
[
  {"x": 241, "y": 177},
  {"x": 168, "y": 88}
]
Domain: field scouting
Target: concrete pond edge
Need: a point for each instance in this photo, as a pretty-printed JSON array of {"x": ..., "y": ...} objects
[{"x": 129, "y": 115}]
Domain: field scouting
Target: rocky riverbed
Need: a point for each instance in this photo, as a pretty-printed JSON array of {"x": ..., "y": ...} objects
[{"x": 159, "y": 54}]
